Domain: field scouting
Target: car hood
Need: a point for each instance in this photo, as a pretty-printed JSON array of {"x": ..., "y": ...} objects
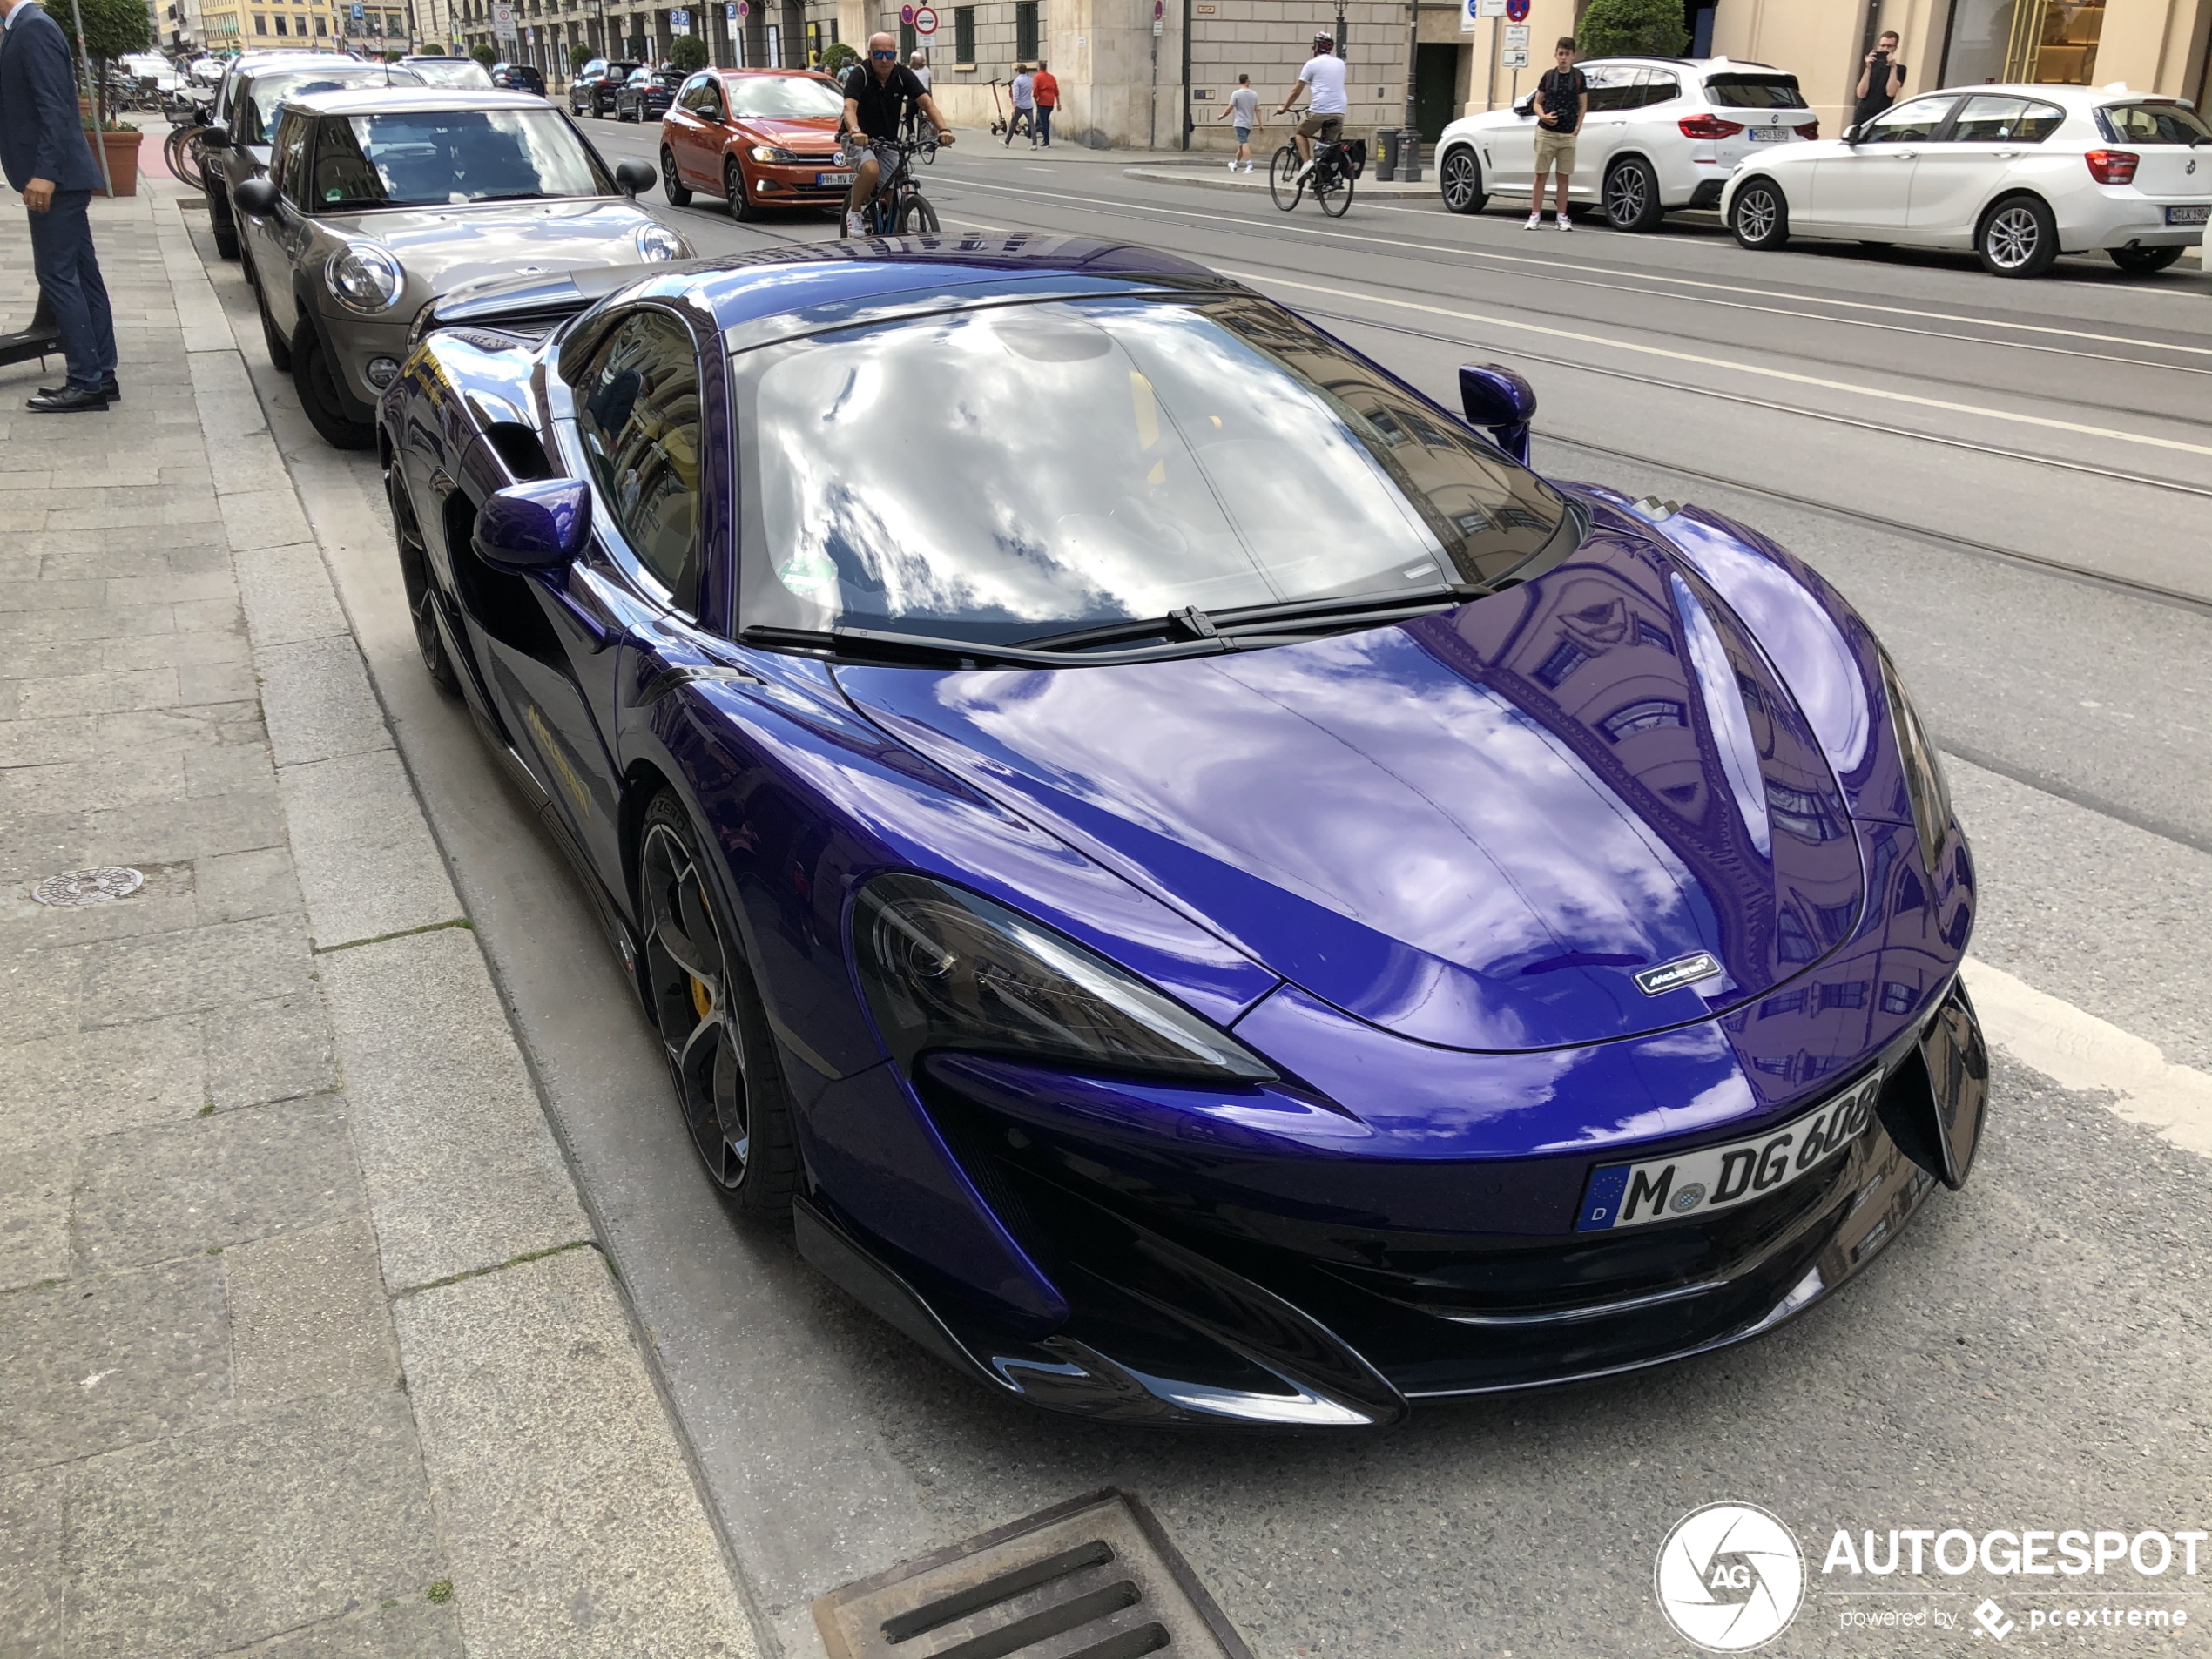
[
  {"x": 443, "y": 248},
  {"x": 1476, "y": 829},
  {"x": 804, "y": 132}
]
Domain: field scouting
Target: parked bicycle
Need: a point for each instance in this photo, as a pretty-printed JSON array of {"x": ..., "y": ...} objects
[
  {"x": 183, "y": 152},
  {"x": 1335, "y": 166},
  {"x": 898, "y": 208}
]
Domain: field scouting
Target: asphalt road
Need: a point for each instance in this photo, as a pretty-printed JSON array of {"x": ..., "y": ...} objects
[{"x": 2013, "y": 481}]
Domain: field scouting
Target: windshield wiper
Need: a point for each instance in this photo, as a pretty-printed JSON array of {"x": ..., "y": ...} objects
[
  {"x": 884, "y": 645},
  {"x": 1244, "y": 622}
]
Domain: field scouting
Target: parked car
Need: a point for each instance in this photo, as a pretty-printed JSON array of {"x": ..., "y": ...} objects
[
  {"x": 1207, "y": 891},
  {"x": 1662, "y": 133},
  {"x": 647, "y": 94},
  {"x": 375, "y": 203},
  {"x": 463, "y": 74},
  {"x": 592, "y": 92},
  {"x": 2018, "y": 174},
  {"x": 237, "y": 75},
  {"x": 757, "y": 137},
  {"x": 519, "y": 77}
]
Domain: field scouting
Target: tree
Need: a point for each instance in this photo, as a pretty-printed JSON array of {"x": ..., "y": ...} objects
[
  {"x": 1632, "y": 28},
  {"x": 838, "y": 57},
  {"x": 484, "y": 53},
  {"x": 579, "y": 55},
  {"x": 111, "y": 28},
  {"x": 687, "y": 52}
]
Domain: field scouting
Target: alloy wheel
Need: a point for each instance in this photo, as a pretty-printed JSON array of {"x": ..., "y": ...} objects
[
  {"x": 1626, "y": 196},
  {"x": 687, "y": 973},
  {"x": 2013, "y": 237},
  {"x": 1755, "y": 215},
  {"x": 1460, "y": 182}
]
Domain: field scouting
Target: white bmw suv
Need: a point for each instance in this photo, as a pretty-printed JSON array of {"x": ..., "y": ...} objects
[{"x": 1662, "y": 132}]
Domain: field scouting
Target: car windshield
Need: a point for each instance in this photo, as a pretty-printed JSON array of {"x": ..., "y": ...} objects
[
  {"x": 459, "y": 72},
  {"x": 783, "y": 97},
  {"x": 1008, "y": 473},
  {"x": 257, "y": 109},
  {"x": 1755, "y": 92},
  {"x": 2154, "y": 123},
  {"x": 431, "y": 158}
]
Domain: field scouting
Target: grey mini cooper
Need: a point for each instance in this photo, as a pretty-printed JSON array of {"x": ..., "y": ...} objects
[{"x": 375, "y": 203}]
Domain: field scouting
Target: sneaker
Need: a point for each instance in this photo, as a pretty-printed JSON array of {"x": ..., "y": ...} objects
[
  {"x": 1565, "y": 223},
  {"x": 1232, "y": 166},
  {"x": 852, "y": 226},
  {"x": 1302, "y": 172},
  {"x": 1248, "y": 166},
  {"x": 1535, "y": 222}
]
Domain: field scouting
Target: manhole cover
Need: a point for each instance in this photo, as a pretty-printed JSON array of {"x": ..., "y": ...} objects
[
  {"x": 1094, "y": 1579},
  {"x": 89, "y": 886}
]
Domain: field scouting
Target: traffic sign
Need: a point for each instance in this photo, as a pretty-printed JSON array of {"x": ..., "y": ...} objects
[
  {"x": 925, "y": 21},
  {"x": 1518, "y": 58},
  {"x": 1516, "y": 37},
  {"x": 1469, "y": 10},
  {"x": 907, "y": 16},
  {"x": 679, "y": 23},
  {"x": 502, "y": 20},
  {"x": 730, "y": 12},
  {"x": 1517, "y": 11},
  {"x": 1492, "y": 9}
]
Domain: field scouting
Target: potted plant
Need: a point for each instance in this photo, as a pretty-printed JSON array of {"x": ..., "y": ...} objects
[
  {"x": 112, "y": 29},
  {"x": 687, "y": 53}
]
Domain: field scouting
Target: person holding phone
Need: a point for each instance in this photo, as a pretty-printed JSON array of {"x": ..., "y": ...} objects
[
  {"x": 1562, "y": 101},
  {"x": 1880, "y": 79}
]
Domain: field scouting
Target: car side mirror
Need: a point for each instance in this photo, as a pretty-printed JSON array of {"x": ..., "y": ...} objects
[
  {"x": 634, "y": 176},
  {"x": 1501, "y": 403},
  {"x": 1527, "y": 107},
  {"x": 537, "y": 526},
  {"x": 1854, "y": 134},
  {"x": 257, "y": 197},
  {"x": 215, "y": 135}
]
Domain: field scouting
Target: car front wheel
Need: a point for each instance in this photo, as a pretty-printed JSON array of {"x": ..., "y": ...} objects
[
  {"x": 322, "y": 395},
  {"x": 733, "y": 191},
  {"x": 671, "y": 183},
  {"x": 1632, "y": 196},
  {"x": 1461, "y": 181},
  {"x": 1760, "y": 215},
  {"x": 713, "y": 1026},
  {"x": 2019, "y": 238}
]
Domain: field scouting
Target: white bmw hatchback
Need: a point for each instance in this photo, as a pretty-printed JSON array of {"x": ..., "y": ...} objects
[
  {"x": 2018, "y": 174},
  {"x": 1662, "y": 133}
]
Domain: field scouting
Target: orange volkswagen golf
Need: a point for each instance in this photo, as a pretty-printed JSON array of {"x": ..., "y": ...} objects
[{"x": 757, "y": 137}]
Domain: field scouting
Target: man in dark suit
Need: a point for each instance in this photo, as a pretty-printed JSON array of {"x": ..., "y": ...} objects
[{"x": 43, "y": 152}]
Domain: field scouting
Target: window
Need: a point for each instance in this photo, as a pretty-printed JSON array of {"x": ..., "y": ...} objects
[
  {"x": 1025, "y": 30},
  {"x": 1659, "y": 87},
  {"x": 637, "y": 409},
  {"x": 774, "y": 55},
  {"x": 323, "y": 26},
  {"x": 963, "y": 34},
  {"x": 1912, "y": 123},
  {"x": 1613, "y": 86},
  {"x": 279, "y": 22},
  {"x": 423, "y": 158},
  {"x": 1646, "y": 716},
  {"x": 1755, "y": 92},
  {"x": 2149, "y": 124},
  {"x": 2022, "y": 40},
  {"x": 1987, "y": 119},
  {"x": 813, "y": 43},
  {"x": 260, "y": 24},
  {"x": 1898, "y": 997},
  {"x": 288, "y": 163}
]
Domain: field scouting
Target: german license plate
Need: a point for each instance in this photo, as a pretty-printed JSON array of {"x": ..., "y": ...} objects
[
  {"x": 1719, "y": 1178},
  {"x": 2195, "y": 215},
  {"x": 1769, "y": 135},
  {"x": 833, "y": 178}
]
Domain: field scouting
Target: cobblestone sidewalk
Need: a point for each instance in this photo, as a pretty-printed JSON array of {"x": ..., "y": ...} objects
[{"x": 306, "y": 1348}]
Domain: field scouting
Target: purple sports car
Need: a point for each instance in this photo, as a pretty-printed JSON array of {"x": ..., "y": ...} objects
[{"x": 1204, "y": 890}]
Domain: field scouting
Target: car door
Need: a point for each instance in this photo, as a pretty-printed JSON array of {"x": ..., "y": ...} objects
[
  {"x": 1616, "y": 91},
  {"x": 1968, "y": 162},
  {"x": 280, "y": 237},
  {"x": 1866, "y": 188},
  {"x": 1508, "y": 149}
]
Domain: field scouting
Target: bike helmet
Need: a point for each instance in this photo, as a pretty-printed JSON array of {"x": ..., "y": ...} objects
[{"x": 1324, "y": 39}]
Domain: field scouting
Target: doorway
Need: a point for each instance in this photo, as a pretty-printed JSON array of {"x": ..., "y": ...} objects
[{"x": 1436, "y": 85}]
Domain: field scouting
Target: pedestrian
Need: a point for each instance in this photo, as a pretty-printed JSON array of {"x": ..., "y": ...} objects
[
  {"x": 1047, "y": 96},
  {"x": 1243, "y": 104},
  {"x": 919, "y": 64},
  {"x": 1880, "y": 81},
  {"x": 1025, "y": 105},
  {"x": 1562, "y": 101},
  {"x": 43, "y": 152}
]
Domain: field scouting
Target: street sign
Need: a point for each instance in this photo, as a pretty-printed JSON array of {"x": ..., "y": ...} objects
[
  {"x": 502, "y": 20},
  {"x": 1468, "y": 12},
  {"x": 925, "y": 21},
  {"x": 1516, "y": 37},
  {"x": 1518, "y": 59},
  {"x": 907, "y": 16},
  {"x": 679, "y": 23},
  {"x": 357, "y": 11},
  {"x": 744, "y": 8},
  {"x": 1516, "y": 10},
  {"x": 1490, "y": 9},
  {"x": 730, "y": 12}
]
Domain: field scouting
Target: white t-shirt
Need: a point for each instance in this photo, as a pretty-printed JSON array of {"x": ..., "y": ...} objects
[
  {"x": 1245, "y": 102},
  {"x": 1025, "y": 92},
  {"x": 1323, "y": 72},
  {"x": 921, "y": 74}
]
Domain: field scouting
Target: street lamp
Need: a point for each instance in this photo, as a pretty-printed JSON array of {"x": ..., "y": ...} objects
[{"x": 1409, "y": 140}]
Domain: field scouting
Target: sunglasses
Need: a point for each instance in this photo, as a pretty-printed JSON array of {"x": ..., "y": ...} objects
[{"x": 893, "y": 55}]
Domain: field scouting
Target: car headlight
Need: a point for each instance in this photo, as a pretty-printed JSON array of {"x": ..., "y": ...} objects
[
  {"x": 946, "y": 968},
  {"x": 656, "y": 243},
  {"x": 773, "y": 152},
  {"x": 1924, "y": 784},
  {"x": 365, "y": 278}
]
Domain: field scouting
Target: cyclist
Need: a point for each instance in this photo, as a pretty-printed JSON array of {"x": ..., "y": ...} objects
[
  {"x": 1324, "y": 74},
  {"x": 877, "y": 94}
]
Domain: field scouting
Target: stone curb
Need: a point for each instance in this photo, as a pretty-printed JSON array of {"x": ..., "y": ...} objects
[
  {"x": 1219, "y": 177},
  {"x": 560, "y": 1481}
]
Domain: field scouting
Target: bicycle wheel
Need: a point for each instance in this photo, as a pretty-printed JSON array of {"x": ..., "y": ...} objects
[
  {"x": 1334, "y": 195},
  {"x": 917, "y": 218},
  {"x": 181, "y": 154},
  {"x": 1283, "y": 181}
]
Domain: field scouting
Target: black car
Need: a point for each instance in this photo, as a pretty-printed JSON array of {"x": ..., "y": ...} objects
[
  {"x": 647, "y": 94},
  {"x": 592, "y": 92},
  {"x": 519, "y": 77}
]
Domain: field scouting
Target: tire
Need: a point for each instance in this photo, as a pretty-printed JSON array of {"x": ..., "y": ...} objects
[
  {"x": 1759, "y": 216},
  {"x": 280, "y": 347},
  {"x": 2018, "y": 238},
  {"x": 1632, "y": 196},
  {"x": 704, "y": 1001},
  {"x": 2141, "y": 261},
  {"x": 414, "y": 576},
  {"x": 1335, "y": 197},
  {"x": 221, "y": 225},
  {"x": 671, "y": 182},
  {"x": 917, "y": 218},
  {"x": 321, "y": 394},
  {"x": 734, "y": 191},
  {"x": 1283, "y": 182},
  {"x": 1460, "y": 181}
]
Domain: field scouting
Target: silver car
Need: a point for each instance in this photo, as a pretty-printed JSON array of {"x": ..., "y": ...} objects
[{"x": 375, "y": 203}]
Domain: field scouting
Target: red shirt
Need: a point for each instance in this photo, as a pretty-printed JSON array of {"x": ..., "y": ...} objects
[{"x": 1047, "y": 90}]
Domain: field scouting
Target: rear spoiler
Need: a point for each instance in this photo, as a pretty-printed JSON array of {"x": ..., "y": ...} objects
[{"x": 535, "y": 305}]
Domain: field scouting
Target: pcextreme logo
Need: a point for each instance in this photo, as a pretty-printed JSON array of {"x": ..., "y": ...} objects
[{"x": 1729, "y": 1577}]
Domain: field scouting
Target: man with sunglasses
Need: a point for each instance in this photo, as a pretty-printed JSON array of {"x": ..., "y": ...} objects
[{"x": 877, "y": 96}]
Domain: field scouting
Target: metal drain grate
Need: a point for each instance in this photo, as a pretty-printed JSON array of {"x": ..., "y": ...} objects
[{"x": 1094, "y": 1579}]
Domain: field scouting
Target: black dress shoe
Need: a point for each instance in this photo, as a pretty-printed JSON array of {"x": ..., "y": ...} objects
[
  {"x": 109, "y": 390},
  {"x": 69, "y": 400}
]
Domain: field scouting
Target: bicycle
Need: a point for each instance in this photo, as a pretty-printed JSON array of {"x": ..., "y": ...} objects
[
  {"x": 898, "y": 208},
  {"x": 1336, "y": 165},
  {"x": 183, "y": 154}
]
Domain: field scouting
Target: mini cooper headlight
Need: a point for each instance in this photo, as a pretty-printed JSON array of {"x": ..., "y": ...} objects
[
  {"x": 656, "y": 243},
  {"x": 1924, "y": 784},
  {"x": 773, "y": 152},
  {"x": 946, "y": 968},
  {"x": 365, "y": 278}
]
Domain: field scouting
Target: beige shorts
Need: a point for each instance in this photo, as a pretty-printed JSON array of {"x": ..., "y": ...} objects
[
  {"x": 1554, "y": 150},
  {"x": 1323, "y": 127}
]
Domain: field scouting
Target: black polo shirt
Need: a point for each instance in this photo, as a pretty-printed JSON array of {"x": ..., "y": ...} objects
[{"x": 883, "y": 103}]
